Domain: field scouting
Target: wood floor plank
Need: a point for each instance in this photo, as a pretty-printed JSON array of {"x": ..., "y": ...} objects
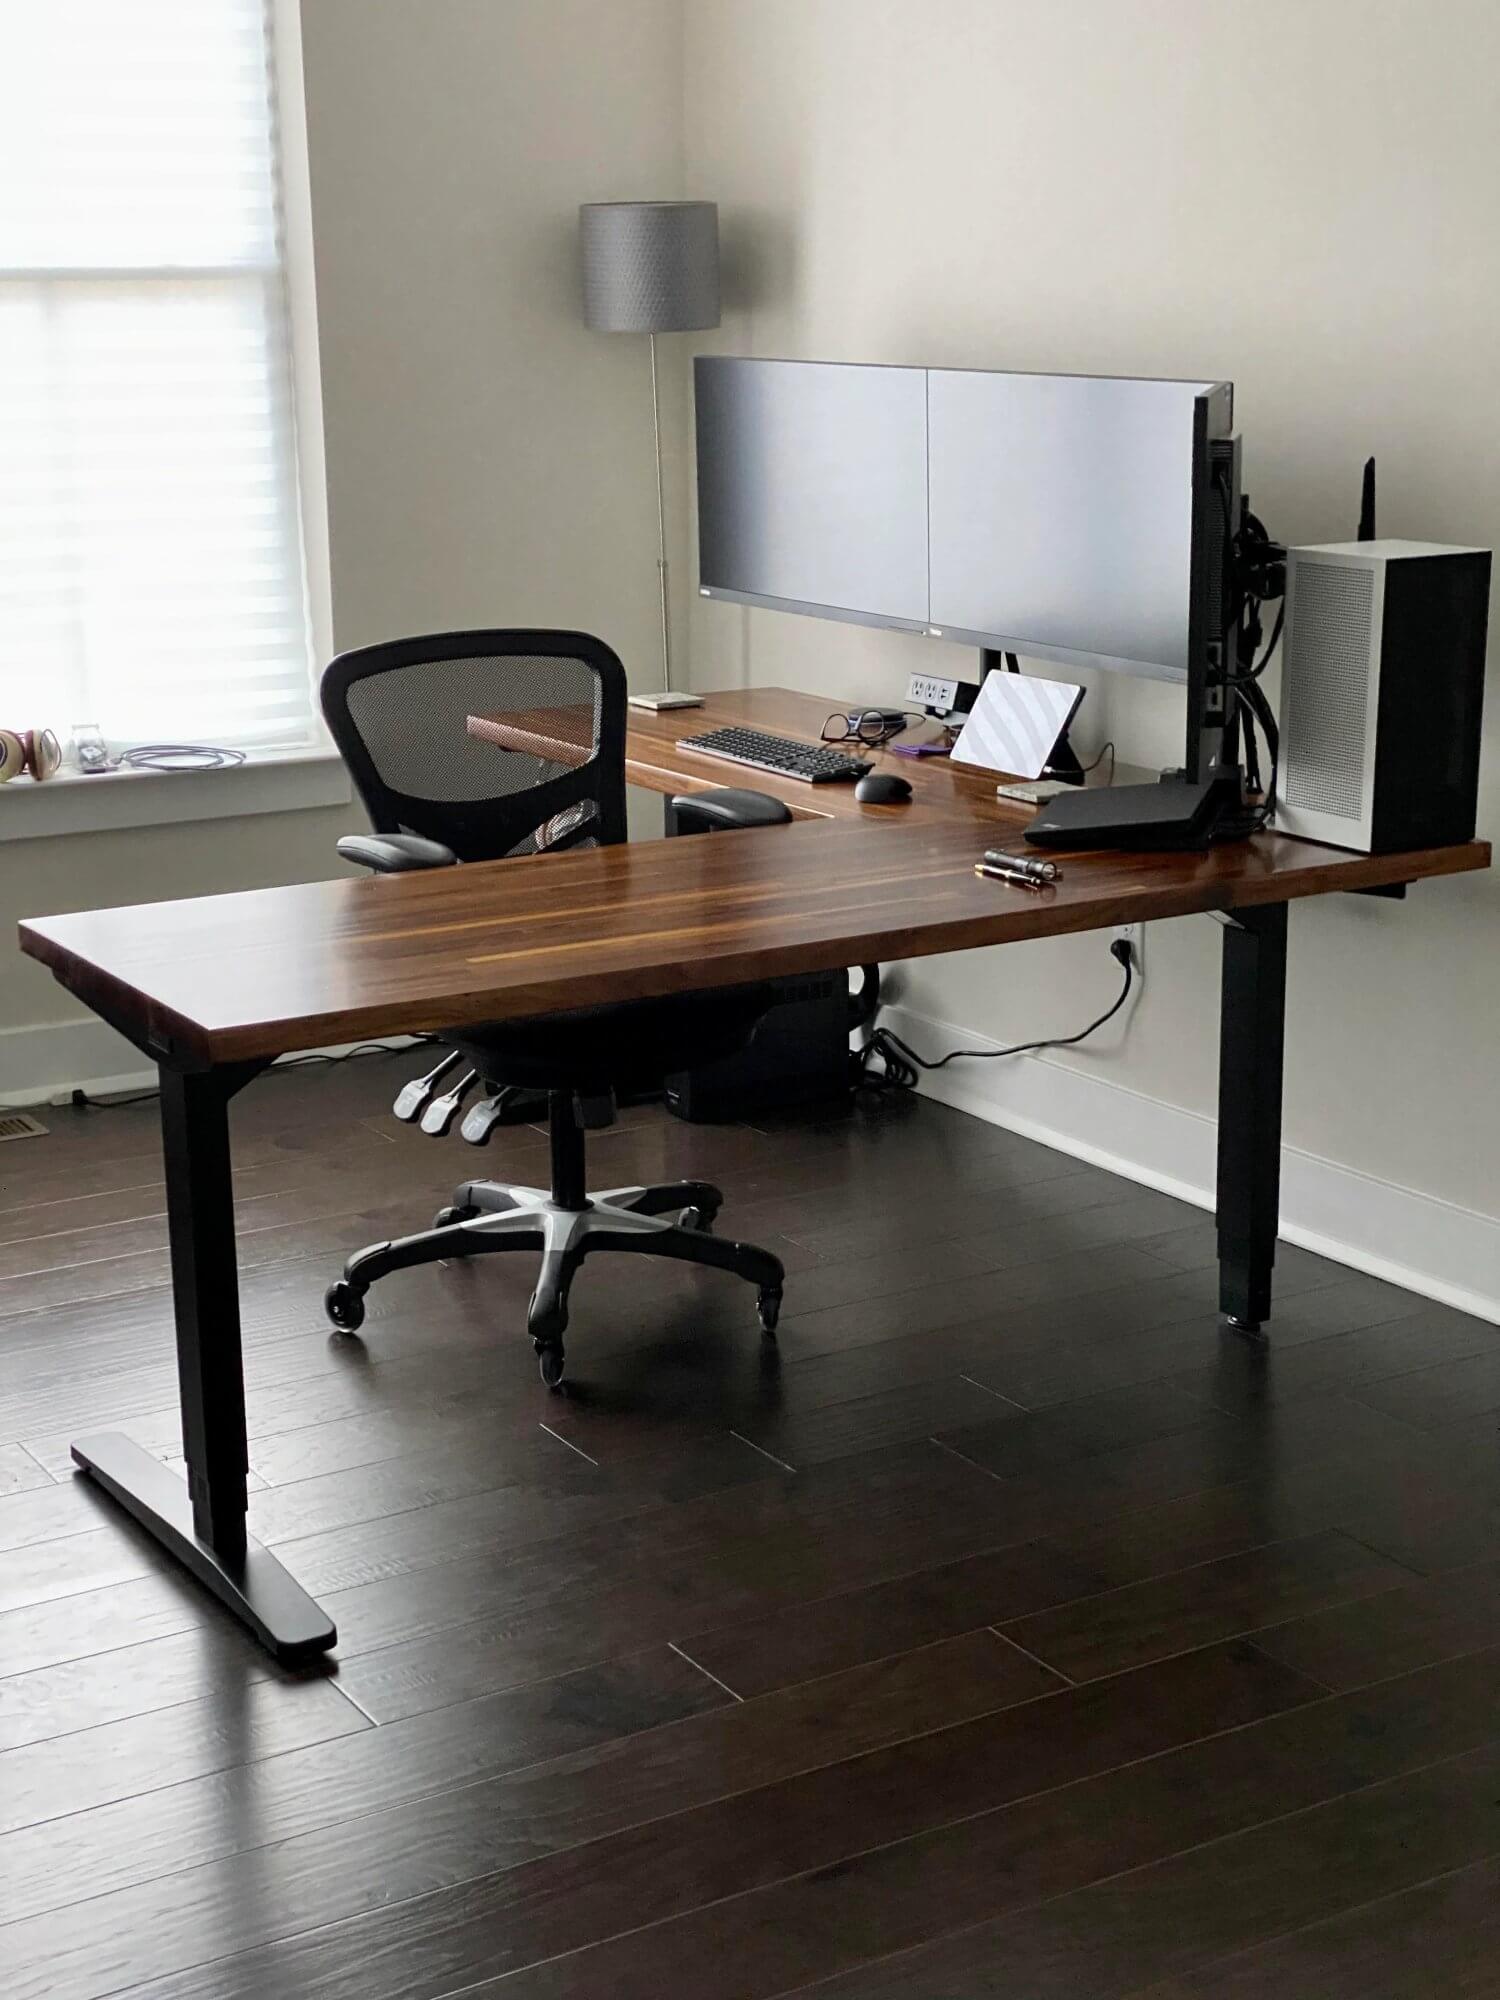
[
  {"x": 484, "y": 1525},
  {"x": 215, "y": 1661},
  {"x": 1395, "y": 1501},
  {"x": 97, "y": 1621},
  {"x": 1217, "y": 1451},
  {"x": 1192, "y": 1607},
  {"x": 1111, "y": 1937},
  {"x": 1437, "y": 1618},
  {"x": 272, "y": 1200},
  {"x": 297, "y": 1381},
  {"x": 93, "y": 1167},
  {"x": 1442, "y": 1394},
  {"x": 1068, "y": 1276},
  {"x": 89, "y": 1561},
  {"x": 807, "y": 1641},
  {"x": 812, "y": 1436},
  {"x": 1349, "y": 1363},
  {"x": 53, "y": 1511},
  {"x": 769, "y": 1941},
  {"x": 460, "y": 1664},
  {"x": 182, "y": 1826},
  {"x": 73, "y": 1774},
  {"x": 960, "y": 1203},
  {"x": 473, "y": 1462},
  {"x": 774, "y": 1542},
  {"x": 326, "y": 1863},
  {"x": 939, "y": 1253},
  {"x": 1142, "y": 1332},
  {"x": 1440, "y": 1936},
  {"x": 1429, "y": 1524},
  {"x": 1014, "y": 1445}
]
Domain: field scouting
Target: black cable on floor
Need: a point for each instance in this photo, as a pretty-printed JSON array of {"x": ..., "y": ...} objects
[{"x": 902, "y": 1065}]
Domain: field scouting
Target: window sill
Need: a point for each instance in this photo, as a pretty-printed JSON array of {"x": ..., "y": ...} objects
[{"x": 267, "y": 782}]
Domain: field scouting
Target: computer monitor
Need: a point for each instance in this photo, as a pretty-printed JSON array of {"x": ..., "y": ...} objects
[
  {"x": 1073, "y": 518},
  {"x": 812, "y": 488},
  {"x": 1061, "y": 510}
]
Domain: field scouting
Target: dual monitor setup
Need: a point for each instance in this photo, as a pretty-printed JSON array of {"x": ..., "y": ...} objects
[{"x": 1099, "y": 522}]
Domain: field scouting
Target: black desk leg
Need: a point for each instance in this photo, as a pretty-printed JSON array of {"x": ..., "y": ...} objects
[
  {"x": 203, "y": 1522},
  {"x": 1251, "y": 1033}
]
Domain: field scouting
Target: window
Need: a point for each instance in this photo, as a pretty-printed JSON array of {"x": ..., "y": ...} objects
[{"x": 151, "y": 564}]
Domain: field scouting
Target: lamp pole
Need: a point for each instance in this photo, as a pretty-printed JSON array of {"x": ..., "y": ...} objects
[{"x": 661, "y": 531}]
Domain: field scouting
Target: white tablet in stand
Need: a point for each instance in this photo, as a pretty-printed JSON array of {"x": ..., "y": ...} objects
[{"x": 1016, "y": 724}]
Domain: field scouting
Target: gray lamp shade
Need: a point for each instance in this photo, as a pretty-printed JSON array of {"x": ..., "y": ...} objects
[{"x": 650, "y": 266}]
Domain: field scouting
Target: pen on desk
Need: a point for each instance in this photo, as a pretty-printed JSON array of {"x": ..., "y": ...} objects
[
  {"x": 994, "y": 874},
  {"x": 1019, "y": 868}
]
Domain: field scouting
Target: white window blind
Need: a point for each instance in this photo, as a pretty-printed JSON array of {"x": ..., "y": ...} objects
[{"x": 151, "y": 567}]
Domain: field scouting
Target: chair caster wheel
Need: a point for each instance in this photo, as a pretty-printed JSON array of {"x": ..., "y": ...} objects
[
  {"x": 769, "y": 1307},
  {"x": 446, "y": 1217},
  {"x": 699, "y": 1217},
  {"x": 344, "y": 1305},
  {"x": 550, "y": 1362}
]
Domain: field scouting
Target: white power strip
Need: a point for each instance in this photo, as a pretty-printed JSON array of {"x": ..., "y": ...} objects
[{"x": 928, "y": 691}]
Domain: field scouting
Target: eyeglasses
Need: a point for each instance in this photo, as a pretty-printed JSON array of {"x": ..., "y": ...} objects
[{"x": 872, "y": 727}]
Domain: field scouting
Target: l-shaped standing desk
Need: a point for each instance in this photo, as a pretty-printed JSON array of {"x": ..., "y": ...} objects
[{"x": 214, "y": 989}]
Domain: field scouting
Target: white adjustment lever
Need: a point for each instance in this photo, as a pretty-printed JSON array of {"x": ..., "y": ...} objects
[
  {"x": 481, "y": 1121},
  {"x": 442, "y": 1111},
  {"x": 412, "y": 1099}
]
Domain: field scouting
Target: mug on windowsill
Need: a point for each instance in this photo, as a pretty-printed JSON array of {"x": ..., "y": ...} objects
[{"x": 33, "y": 750}]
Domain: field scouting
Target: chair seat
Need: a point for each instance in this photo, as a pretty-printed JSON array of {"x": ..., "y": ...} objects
[{"x": 625, "y": 1046}]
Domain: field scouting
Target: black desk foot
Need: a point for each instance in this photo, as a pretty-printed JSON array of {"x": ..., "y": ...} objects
[{"x": 255, "y": 1587}]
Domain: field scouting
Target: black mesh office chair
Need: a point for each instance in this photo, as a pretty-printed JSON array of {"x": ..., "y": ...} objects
[{"x": 436, "y": 797}]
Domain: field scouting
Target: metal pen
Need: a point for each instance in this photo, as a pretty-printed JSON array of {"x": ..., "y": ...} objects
[
  {"x": 1022, "y": 868},
  {"x": 1007, "y": 875}
]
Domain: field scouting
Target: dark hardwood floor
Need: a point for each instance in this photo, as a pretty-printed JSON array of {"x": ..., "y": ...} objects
[{"x": 1010, "y": 1629}]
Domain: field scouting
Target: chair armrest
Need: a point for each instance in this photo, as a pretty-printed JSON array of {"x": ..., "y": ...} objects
[
  {"x": 395, "y": 853},
  {"x": 726, "y": 806}
]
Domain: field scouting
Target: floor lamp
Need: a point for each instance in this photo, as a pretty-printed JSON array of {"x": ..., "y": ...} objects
[{"x": 652, "y": 267}]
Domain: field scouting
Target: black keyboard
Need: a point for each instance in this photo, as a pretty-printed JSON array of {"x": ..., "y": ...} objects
[{"x": 782, "y": 755}]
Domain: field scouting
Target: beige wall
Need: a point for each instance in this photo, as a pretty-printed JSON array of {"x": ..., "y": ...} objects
[
  {"x": 1295, "y": 194},
  {"x": 87, "y": 871},
  {"x": 488, "y": 460}
]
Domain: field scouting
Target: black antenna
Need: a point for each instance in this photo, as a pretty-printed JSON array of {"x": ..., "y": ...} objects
[{"x": 1367, "y": 504}]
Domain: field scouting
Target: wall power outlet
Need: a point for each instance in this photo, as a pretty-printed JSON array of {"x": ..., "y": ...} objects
[
  {"x": 929, "y": 691},
  {"x": 1135, "y": 936}
]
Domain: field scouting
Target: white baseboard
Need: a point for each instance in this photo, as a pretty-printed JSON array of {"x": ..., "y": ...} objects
[
  {"x": 38, "y": 1064},
  {"x": 1432, "y": 1247}
]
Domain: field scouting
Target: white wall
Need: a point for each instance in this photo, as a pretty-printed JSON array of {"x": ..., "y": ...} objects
[
  {"x": 488, "y": 460},
  {"x": 1297, "y": 196}
]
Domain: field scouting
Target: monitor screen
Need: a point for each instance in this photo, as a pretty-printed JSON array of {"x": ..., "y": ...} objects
[
  {"x": 812, "y": 487},
  {"x": 1051, "y": 515},
  {"x": 1062, "y": 515}
]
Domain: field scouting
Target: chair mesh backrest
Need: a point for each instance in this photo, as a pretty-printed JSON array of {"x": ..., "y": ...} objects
[{"x": 399, "y": 714}]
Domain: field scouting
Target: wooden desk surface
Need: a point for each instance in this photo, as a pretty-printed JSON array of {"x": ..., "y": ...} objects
[
  {"x": 653, "y": 761},
  {"x": 226, "y": 978}
]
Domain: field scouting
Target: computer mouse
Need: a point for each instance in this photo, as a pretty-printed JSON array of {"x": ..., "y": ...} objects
[{"x": 881, "y": 788}]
